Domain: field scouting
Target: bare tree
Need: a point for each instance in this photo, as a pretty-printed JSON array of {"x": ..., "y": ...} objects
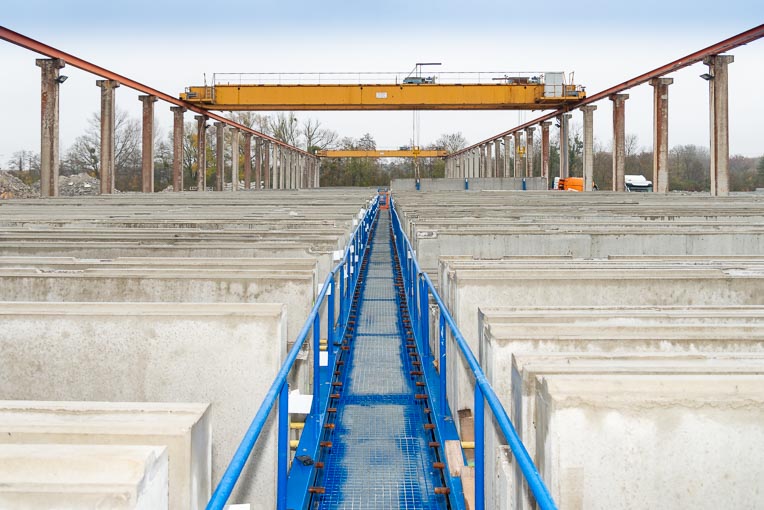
[
  {"x": 84, "y": 154},
  {"x": 284, "y": 128},
  {"x": 25, "y": 160},
  {"x": 367, "y": 143},
  {"x": 316, "y": 137},
  {"x": 451, "y": 142}
]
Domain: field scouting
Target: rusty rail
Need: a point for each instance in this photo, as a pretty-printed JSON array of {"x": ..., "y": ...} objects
[
  {"x": 735, "y": 41},
  {"x": 49, "y": 51}
]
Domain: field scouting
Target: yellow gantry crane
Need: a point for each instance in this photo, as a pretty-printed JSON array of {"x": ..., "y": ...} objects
[
  {"x": 505, "y": 92},
  {"x": 398, "y": 153}
]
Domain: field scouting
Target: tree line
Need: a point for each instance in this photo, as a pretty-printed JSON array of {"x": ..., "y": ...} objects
[{"x": 688, "y": 164}]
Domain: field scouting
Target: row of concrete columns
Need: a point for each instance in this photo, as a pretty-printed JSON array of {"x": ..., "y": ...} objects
[
  {"x": 477, "y": 161},
  {"x": 503, "y": 157},
  {"x": 284, "y": 169}
]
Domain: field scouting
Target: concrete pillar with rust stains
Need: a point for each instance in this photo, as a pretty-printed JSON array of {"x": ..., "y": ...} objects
[
  {"x": 497, "y": 158},
  {"x": 282, "y": 168},
  {"x": 719, "y": 117},
  {"x": 248, "y": 160},
  {"x": 277, "y": 166},
  {"x": 506, "y": 169},
  {"x": 234, "y": 159},
  {"x": 545, "y": 149},
  {"x": 660, "y": 134},
  {"x": 177, "y": 147},
  {"x": 318, "y": 173},
  {"x": 50, "y": 158},
  {"x": 488, "y": 160},
  {"x": 259, "y": 162},
  {"x": 518, "y": 156},
  {"x": 565, "y": 145},
  {"x": 147, "y": 143},
  {"x": 219, "y": 155},
  {"x": 108, "y": 114},
  {"x": 588, "y": 112},
  {"x": 619, "y": 141},
  {"x": 529, "y": 151},
  {"x": 266, "y": 164},
  {"x": 201, "y": 152}
]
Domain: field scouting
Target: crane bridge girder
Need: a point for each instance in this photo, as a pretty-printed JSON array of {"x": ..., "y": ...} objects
[
  {"x": 398, "y": 153},
  {"x": 421, "y": 96}
]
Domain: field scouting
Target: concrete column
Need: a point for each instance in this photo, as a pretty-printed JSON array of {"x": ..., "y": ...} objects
[
  {"x": 50, "y": 160},
  {"x": 505, "y": 170},
  {"x": 277, "y": 167},
  {"x": 282, "y": 168},
  {"x": 588, "y": 111},
  {"x": 529, "y": 151},
  {"x": 266, "y": 164},
  {"x": 248, "y": 160},
  {"x": 719, "y": 116},
  {"x": 201, "y": 152},
  {"x": 317, "y": 184},
  {"x": 147, "y": 144},
  {"x": 219, "y": 156},
  {"x": 177, "y": 147},
  {"x": 518, "y": 156},
  {"x": 545, "y": 149},
  {"x": 619, "y": 141},
  {"x": 497, "y": 158},
  {"x": 660, "y": 134},
  {"x": 108, "y": 111},
  {"x": 564, "y": 145},
  {"x": 258, "y": 163},
  {"x": 234, "y": 159},
  {"x": 488, "y": 160}
]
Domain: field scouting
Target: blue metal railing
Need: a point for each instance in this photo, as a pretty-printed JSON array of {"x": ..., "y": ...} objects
[
  {"x": 347, "y": 271},
  {"x": 419, "y": 289}
]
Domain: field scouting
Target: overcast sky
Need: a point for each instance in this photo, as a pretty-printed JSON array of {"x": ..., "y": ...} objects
[{"x": 170, "y": 45}]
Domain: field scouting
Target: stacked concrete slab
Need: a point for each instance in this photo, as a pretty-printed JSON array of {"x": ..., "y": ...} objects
[
  {"x": 623, "y": 333},
  {"x": 153, "y": 301}
]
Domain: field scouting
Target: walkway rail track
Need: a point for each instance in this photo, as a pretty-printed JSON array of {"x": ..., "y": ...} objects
[
  {"x": 419, "y": 289},
  {"x": 347, "y": 270}
]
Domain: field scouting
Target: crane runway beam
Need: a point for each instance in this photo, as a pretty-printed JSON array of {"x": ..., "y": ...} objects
[
  {"x": 420, "y": 96},
  {"x": 411, "y": 153}
]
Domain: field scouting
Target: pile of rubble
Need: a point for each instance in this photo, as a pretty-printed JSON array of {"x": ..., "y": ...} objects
[
  {"x": 78, "y": 185},
  {"x": 13, "y": 187}
]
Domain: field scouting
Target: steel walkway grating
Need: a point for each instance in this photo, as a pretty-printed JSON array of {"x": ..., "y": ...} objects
[{"x": 380, "y": 457}]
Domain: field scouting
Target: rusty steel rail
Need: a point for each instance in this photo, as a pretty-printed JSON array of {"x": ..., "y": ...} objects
[
  {"x": 49, "y": 51},
  {"x": 735, "y": 41}
]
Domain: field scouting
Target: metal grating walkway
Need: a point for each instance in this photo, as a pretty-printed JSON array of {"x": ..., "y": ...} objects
[{"x": 380, "y": 458}]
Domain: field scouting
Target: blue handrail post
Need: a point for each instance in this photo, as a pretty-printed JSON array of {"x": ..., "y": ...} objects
[
  {"x": 424, "y": 315},
  {"x": 442, "y": 366},
  {"x": 330, "y": 315},
  {"x": 479, "y": 448},
  {"x": 283, "y": 446},
  {"x": 341, "y": 320},
  {"x": 316, "y": 373}
]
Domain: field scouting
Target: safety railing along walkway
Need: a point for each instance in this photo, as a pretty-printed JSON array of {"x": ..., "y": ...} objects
[{"x": 379, "y": 418}]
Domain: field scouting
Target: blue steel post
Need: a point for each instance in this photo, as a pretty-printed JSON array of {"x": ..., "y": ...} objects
[
  {"x": 283, "y": 446},
  {"x": 442, "y": 366},
  {"x": 424, "y": 310},
  {"x": 315, "y": 408},
  {"x": 479, "y": 449},
  {"x": 330, "y": 315},
  {"x": 341, "y": 320}
]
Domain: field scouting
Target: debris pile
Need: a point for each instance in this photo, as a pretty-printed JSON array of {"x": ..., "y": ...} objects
[
  {"x": 78, "y": 185},
  {"x": 13, "y": 187}
]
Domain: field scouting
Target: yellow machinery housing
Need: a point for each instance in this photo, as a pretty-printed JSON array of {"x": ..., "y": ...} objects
[{"x": 420, "y": 96}]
